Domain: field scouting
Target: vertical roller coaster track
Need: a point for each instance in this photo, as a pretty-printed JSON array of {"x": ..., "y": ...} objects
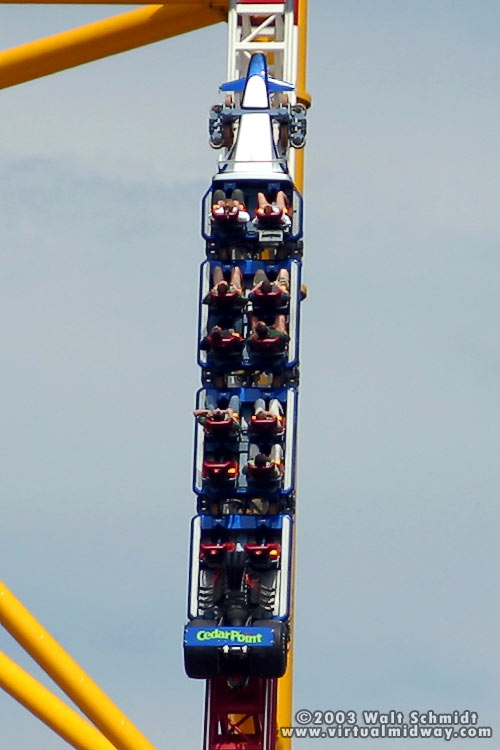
[
  {"x": 239, "y": 636},
  {"x": 246, "y": 713}
]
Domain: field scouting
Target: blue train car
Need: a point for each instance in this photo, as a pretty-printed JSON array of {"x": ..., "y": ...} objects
[
  {"x": 245, "y": 458},
  {"x": 231, "y": 238},
  {"x": 244, "y": 464},
  {"x": 239, "y": 596},
  {"x": 241, "y": 349},
  {"x": 252, "y": 205}
]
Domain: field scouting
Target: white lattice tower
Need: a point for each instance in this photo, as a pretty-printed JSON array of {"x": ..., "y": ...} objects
[{"x": 267, "y": 27}]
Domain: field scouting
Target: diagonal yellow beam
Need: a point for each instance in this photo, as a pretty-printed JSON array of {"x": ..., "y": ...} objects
[
  {"x": 102, "y": 38},
  {"x": 49, "y": 708},
  {"x": 70, "y": 677}
]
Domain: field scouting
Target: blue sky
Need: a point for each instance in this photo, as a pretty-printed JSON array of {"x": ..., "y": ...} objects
[{"x": 103, "y": 168}]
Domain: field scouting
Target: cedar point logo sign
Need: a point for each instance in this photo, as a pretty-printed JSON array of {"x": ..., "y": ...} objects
[
  {"x": 213, "y": 636},
  {"x": 234, "y": 636}
]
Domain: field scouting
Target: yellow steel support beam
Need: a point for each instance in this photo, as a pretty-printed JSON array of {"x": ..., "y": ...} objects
[
  {"x": 103, "y": 38},
  {"x": 49, "y": 708},
  {"x": 302, "y": 96},
  {"x": 69, "y": 675},
  {"x": 284, "y": 704}
]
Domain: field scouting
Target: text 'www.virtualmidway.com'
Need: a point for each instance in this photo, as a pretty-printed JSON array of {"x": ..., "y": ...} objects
[{"x": 392, "y": 724}]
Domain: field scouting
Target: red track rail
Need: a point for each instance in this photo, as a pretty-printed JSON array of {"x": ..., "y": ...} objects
[{"x": 240, "y": 718}]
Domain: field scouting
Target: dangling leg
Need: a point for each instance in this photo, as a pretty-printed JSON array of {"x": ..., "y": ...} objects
[
  {"x": 280, "y": 323},
  {"x": 252, "y": 451},
  {"x": 237, "y": 195},
  {"x": 282, "y": 201},
  {"x": 283, "y": 279},
  {"x": 237, "y": 279},
  {"x": 262, "y": 201},
  {"x": 259, "y": 277},
  {"x": 259, "y": 406},
  {"x": 218, "y": 196},
  {"x": 211, "y": 402},
  {"x": 284, "y": 207},
  {"x": 253, "y": 319},
  {"x": 234, "y": 404},
  {"x": 275, "y": 408},
  {"x": 276, "y": 454},
  {"x": 217, "y": 276}
]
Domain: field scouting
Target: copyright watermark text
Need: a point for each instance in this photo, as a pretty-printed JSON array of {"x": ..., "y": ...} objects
[{"x": 391, "y": 724}]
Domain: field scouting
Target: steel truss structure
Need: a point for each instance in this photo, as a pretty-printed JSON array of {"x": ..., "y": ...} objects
[
  {"x": 244, "y": 716},
  {"x": 270, "y": 27}
]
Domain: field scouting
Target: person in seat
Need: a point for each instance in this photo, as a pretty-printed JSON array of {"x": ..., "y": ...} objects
[
  {"x": 265, "y": 469},
  {"x": 231, "y": 211},
  {"x": 268, "y": 341},
  {"x": 272, "y": 214},
  {"x": 220, "y": 422},
  {"x": 226, "y": 295},
  {"x": 269, "y": 421},
  {"x": 223, "y": 344},
  {"x": 270, "y": 295}
]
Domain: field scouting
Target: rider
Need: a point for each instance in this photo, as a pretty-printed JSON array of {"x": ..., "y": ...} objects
[
  {"x": 268, "y": 340},
  {"x": 269, "y": 420},
  {"x": 270, "y": 295},
  {"x": 275, "y": 213},
  {"x": 216, "y": 420},
  {"x": 223, "y": 343},
  {"x": 267, "y": 468},
  {"x": 229, "y": 210},
  {"x": 226, "y": 295}
]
